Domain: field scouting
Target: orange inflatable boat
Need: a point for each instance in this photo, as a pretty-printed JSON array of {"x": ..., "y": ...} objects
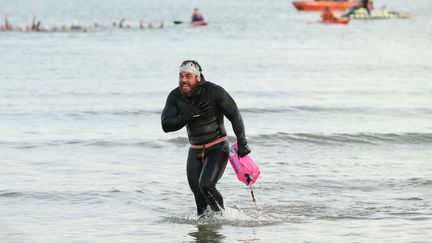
[{"x": 318, "y": 5}]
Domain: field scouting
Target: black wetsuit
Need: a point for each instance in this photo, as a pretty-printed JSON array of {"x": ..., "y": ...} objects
[{"x": 204, "y": 166}]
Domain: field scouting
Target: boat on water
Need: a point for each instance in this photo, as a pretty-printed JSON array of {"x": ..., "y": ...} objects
[
  {"x": 362, "y": 13},
  {"x": 320, "y": 5},
  {"x": 199, "y": 23}
]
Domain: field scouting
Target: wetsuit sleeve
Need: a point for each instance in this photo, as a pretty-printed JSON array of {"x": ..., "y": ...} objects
[
  {"x": 229, "y": 108},
  {"x": 171, "y": 119}
]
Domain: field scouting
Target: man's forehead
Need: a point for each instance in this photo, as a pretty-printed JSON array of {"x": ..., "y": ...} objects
[{"x": 186, "y": 73}]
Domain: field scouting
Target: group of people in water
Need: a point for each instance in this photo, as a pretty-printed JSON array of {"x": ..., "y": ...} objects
[
  {"x": 37, "y": 26},
  {"x": 75, "y": 26}
]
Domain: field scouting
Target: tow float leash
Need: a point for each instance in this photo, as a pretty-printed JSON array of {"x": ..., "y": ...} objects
[{"x": 254, "y": 201}]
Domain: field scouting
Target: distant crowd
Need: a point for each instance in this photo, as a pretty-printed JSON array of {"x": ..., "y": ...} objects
[{"x": 37, "y": 26}]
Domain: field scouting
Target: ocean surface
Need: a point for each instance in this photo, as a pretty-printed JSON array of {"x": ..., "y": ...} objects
[{"x": 339, "y": 119}]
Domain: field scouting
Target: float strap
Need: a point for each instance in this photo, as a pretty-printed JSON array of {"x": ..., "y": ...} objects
[{"x": 208, "y": 145}]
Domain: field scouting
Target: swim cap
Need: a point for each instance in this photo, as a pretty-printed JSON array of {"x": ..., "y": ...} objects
[{"x": 191, "y": 66}]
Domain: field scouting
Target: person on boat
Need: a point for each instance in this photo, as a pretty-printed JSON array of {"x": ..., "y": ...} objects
[
  {"x": 197, "y": 16},
  {"x": 201, "y": 105},
  {"x": 328, "y": 15},
  {"x": 366, "y": 4}
]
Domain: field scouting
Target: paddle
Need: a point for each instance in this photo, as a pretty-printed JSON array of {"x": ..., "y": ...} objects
[{"x": 180, "y": 22}]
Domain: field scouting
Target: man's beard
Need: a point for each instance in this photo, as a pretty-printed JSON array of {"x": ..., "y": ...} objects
[{"x": 190, "y": 92}]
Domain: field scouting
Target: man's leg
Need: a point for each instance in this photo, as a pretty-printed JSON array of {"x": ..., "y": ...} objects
[
  {"x": 215, "y": 162},
  {"x": 194, "y": 168}
]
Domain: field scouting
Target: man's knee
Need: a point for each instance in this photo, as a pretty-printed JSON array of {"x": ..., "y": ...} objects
[{"x": 205, "y": 186}]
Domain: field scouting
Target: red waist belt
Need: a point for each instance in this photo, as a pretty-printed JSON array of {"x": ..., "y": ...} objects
[{"x": 208, "y": 145}]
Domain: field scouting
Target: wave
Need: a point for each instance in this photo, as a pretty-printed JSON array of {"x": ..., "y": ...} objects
[
  {"x": 336, "y": 109},
  {"x": 85, "y": 113},
  {"x": 72, "y": 196},
  {"x": 247, "y": 110},
  {"x": 275, "y": 139},
  {"x": 233, "y": 216},
  {"x": 342, "y": 139},
  {"x": 299, "y": 211}
]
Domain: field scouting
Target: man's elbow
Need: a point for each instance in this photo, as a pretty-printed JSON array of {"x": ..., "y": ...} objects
[{"x": 166, "y": 128}]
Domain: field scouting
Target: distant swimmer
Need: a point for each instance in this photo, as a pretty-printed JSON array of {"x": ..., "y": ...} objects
[
  {"x": 121, "y": 22},
  {"x": 201, "y": 106},
  {"x": 38, "y": 26},
  {"x": 7, "y": 25},
  {"x": 197, "y": 16},
  {"x": 33, "y": 26},
  {"x": 75, "y": 26},
  {"x": 328, "y": 15}
]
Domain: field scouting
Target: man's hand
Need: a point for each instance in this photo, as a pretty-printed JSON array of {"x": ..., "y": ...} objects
[
  {"x": 204, "y": 108},
  {"x": 192, "y": 111},
  {"x": 189, "y": 112},
  {"x": 243, "y": 150}
]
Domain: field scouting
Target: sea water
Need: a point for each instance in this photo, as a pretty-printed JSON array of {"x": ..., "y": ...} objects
[{"x": 339, "y": 119}]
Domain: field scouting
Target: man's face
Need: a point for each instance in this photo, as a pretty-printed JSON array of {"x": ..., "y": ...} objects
[{"x": 187, "y": 83}]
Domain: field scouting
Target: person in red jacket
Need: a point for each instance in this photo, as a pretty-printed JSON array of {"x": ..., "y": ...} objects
[{"x": 327, "y": 15}]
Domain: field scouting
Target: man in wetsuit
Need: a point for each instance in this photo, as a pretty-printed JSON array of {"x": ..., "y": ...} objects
[{"x": 201, "y": 106}]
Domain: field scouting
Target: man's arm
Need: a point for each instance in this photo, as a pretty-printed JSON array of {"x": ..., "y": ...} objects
[
  {"x": 171, "y": 118},
  {"x": 229, "y": 108}
]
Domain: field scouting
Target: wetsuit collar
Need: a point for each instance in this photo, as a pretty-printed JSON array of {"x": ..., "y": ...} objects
[{"x": 198, "y": 89}]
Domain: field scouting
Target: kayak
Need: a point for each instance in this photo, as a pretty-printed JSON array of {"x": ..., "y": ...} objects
[
  {"x": 335, "y": 21},
  {"x": 199, "y": 23},
  {"x": 321, "y": 5}
]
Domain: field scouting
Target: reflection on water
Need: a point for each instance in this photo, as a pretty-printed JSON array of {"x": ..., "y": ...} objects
[
  {"x": 207, "y": 233},
  {"x": 211, "y": 233}
]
